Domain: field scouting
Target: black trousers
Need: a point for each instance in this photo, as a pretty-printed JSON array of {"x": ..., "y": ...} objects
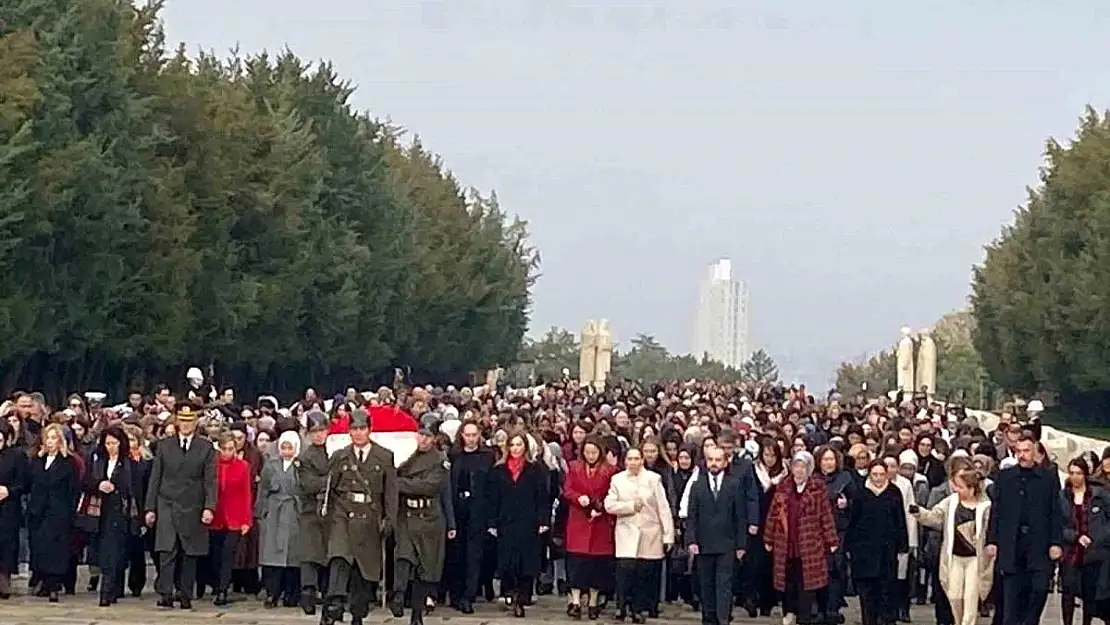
[
  {"x": 135, "y": 569},
  {"x": 314, "y": 576},
  {"x": 221, "y": 552},
  {"x": 176, "y": 571},
  {"x": 758, "y": 576},
  {"x": 942, "y": 610},
  {"x": 874, "y": 600},
  {"x": 715, "y": 587},
  {"x": 638, "y": 584},
  {"x": 796, "y": 600},
  {"x": 464, "y": 562},
  {"x": 346, "y": 583},
  {"x": 282, "y": 583},
  {"x": 1024, "y": 595}
]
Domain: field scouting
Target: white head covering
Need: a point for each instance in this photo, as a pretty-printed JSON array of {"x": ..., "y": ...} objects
[
  {"x": 1007, "y": 463},
  {"x": 907, "y": 457},
  {"x": 293, "y": 439},
  {"x": 450, "y": 428}
]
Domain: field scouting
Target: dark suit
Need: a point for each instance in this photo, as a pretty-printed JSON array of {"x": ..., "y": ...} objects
[
  {"x": 718, "y": 525},
  {"x": 1026, "y": 520},
  {"x": 182, "y": 486}
]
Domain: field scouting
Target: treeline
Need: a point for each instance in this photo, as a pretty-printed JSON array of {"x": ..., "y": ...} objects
[
  {"x": 1040, "y": 297},
  {"x": 160, "y": 211}
]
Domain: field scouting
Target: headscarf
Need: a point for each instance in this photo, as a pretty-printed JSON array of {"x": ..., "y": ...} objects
[
  {"x": 806, "y": 459},
  {"x": 293, "y": 439}
]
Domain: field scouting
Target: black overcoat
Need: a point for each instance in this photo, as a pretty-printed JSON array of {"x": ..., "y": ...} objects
[
  {"x": 51, "y": 508},
  {"x": 1038, "y": 492},
  {"x": 517, "y": 510},
  {"x": 14, "y": 469}
]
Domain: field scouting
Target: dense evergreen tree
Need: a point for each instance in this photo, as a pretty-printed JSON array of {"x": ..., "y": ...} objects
[
  {"x": 1039, "y": 298},
  {"x": 161, "y": 211}
]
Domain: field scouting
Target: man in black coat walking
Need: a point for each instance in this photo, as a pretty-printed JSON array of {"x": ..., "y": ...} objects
[
  {"x": 179, "y": 504},
  {"x": 1025, "y": 534},
  {"x": 717, "y": 526}
]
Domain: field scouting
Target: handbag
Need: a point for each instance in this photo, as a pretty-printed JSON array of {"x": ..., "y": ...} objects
[{"x": 88, "y": 514}]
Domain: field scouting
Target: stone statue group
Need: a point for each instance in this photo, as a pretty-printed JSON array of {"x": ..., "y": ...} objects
[{"x": 917, "y": 362}]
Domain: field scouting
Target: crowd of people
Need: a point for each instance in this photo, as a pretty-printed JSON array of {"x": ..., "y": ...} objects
[{"x": 722, "y": 497}]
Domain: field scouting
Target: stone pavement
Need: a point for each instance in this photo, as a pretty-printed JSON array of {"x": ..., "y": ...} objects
[{"x": 83, "y": 610}]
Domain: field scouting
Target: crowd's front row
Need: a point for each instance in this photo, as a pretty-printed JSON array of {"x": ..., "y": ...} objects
[{"x": 728, "y": 529}]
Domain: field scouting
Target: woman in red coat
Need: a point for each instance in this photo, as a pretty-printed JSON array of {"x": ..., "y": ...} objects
[
  {"x": 233, "y": 516},
  {"x": 589, "y": 543},
  {"x": 800, "y": 534}
]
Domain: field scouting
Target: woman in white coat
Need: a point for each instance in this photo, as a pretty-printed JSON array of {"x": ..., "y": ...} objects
[
  {"x": 644, "y": 533},
  {"x": 966, "y": 573}
]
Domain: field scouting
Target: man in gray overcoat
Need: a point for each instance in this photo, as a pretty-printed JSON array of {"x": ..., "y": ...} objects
[
  {"x": 312, "y": 530},
  {"x": 423, "y": 523},
  {"x": 362, "y": 510},
  {"x": 179, "y": 504}
]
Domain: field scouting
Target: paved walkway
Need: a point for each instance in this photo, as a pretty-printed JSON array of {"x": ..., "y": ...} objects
[{"x": 83, "y": 610}]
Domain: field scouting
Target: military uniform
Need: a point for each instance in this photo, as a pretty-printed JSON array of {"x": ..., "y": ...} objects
[
  {"x": 362, "y": 510},
  {"x": 424, "y": 517},
  {"x": 312, "y": 526}
]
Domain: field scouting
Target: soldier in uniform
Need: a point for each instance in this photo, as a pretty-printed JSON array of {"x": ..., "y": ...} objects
[
  {"x": 362, "y": 509},
  {"x": 424, "y": 522},
  {"x": 312, "y": 534}
]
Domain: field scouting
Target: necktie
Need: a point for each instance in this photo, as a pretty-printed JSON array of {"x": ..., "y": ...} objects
[
  {"x": 184, "y": 445},
  {"x": 716, "y": 481}
]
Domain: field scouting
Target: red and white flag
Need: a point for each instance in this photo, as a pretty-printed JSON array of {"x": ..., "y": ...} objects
[{"x": 390, "y": 427}]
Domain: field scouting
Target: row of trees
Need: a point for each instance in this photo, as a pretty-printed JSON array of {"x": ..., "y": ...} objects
[
  {"x": 645, "y": 359},
  {"x": 961, "y": 376},
  {"x": 1040, "y": 297},
  {"x": 160, "y": 211}
]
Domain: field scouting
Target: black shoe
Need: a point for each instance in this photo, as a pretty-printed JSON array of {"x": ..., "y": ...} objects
[
  {"x": 751, "y": 609},
  {"x": 639, "y": 619},
  {"x": 593, "y": 612},
  {"x": 94, "y": 584},
  {"x": 518, "y": 609},
  {"x": 356, "y": 620},
  {"x": 574, "y": 611},
  {"x": 465, "y": 606},
  {"x": 308, "y": 601},
  {"x": 53, "y": 596},
  {"x": 186, "y": 603},
  {"x": 289, "y": 603},
  {"x": 4, "y": 596},
  {"x": 165, "y": 601},
  {"x": 397, "y": 605},
  {"x": 105, "y": 602},
  {"x": 270, "y": 603},
  {"x": 220, "y": 599},
  {"x": 653, "y": 612}
]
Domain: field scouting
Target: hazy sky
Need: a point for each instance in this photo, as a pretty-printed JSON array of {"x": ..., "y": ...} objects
[{"x": 851, "y": 157}]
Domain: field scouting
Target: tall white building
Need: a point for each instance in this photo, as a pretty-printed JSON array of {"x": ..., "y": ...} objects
[{"x": 722, "y": 323}]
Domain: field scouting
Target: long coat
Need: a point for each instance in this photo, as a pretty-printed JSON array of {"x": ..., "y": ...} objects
[
  {"x": 421, "y": 523},
  {"x": 14, "y": 473},
  {"x": 816, "y": 532},
  {"x": 276, "y": 511},
  {"x": 118, "y": 512},
  {"x": 876, "y": 533},
  {"x": 517, "y": 510},
  {"x": 51, "y": 507},
  {"x": 942, "y": 518},
  {"x": 362, "y": 507},
  {"x": 182, "y": 487},
  {"x": 588, "y": 534},
  {"x": 1037, "y": 491},
  {"x": 312, "y": 527},
  {"x": 640, "y": 535}
]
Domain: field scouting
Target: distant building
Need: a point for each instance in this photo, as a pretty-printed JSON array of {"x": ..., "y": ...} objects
[{"x": 722, "y": 323}]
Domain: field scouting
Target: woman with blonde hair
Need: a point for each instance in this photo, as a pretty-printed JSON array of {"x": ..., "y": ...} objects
[
  {"x": 51, "y": 507},
  {"x": 966, "y": 572}
]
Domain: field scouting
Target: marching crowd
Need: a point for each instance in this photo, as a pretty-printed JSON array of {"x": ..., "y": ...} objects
[{"x": 721, "y": 496}]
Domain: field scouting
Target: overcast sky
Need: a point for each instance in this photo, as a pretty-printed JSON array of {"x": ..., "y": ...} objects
[{"x": 851, "y": 157}]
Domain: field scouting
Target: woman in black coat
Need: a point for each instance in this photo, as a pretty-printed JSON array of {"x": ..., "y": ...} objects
[
  {"x": 840, "y": 486},
  {"x": 876, "y": 536},
  {"x": 51, "y": 506},
  {"x": 108, "y": 481},
  {"x": 13, "y": 483},
  {"x": 138, "y": 544},
  {"x": 519, "y": 513}
]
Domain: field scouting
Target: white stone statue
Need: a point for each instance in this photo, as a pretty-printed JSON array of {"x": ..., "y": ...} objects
[
  {"x": 926, "y": 363},
  {"x": 604, "y": 358},
  {"x": 587, "y": 358},
  {"x": 905, "y": 361}
]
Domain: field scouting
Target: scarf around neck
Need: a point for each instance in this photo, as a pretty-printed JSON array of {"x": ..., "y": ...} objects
[{"x": 516, "y": 467}]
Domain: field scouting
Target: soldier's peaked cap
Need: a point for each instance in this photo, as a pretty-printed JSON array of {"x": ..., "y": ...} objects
[{"x": 359, "y": 419}]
